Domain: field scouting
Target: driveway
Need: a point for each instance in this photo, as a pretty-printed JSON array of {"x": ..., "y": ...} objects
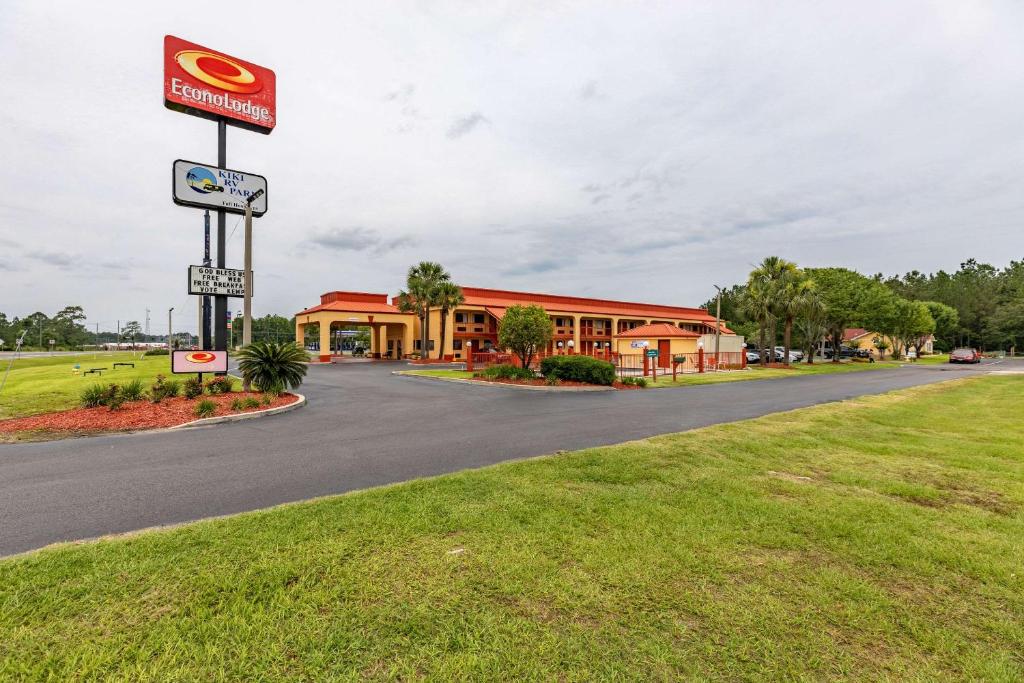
[{"x": 364, "y": 427}]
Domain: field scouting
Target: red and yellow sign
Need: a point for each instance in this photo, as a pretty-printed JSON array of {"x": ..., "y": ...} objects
[
  {"x": 213, "y": 85},
  {"x": 199, "y": 361}
]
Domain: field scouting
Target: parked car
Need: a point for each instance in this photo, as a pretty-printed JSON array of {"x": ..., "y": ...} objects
[
  {"x": 848, "y": 352},
  {"x": 964, "y": 356},
  {"x": 753, "y": 357},
  {"x": 795, "y": 355}
]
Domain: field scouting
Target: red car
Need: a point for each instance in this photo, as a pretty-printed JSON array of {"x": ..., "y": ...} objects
[{"x": 965, "y": 356}]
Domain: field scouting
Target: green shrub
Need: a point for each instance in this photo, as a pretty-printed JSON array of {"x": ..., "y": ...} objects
[
  {"x": 115, "y": 399},
  {"x": 133, "y": 390},
  {"x": 267, "y": 399},
  {"x": 578, "y": 369},
  {"x": 192, "y": 387},
  {"x": 92, "y": 396},
  {"x": 251, "y": 402},
  {"x": 551, "y": 381},
  {"x": 205, "y": 408},
  {"x": 507, "y": 371},
  {"x": 219, "y": 385},
  {"x": 164, "y": 388},
  {"x": 635, "y": 382},
  {"x": 270, "y": 366},
  {"x": 157, "y": 352},
  {"x": 237, "y": 404}
]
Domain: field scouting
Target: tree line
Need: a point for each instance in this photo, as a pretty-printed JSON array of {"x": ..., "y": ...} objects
[
  {"x": 68, "y": 331},
  {"x": 977, "y": 306}
]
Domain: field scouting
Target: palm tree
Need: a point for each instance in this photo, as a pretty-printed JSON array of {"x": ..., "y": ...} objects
[
  {"x": 793, "y": 293},
  {"x": 774, "y": 286},
  {"x": 758, "y": 306},
  {"x": 272, "y": 366},
  {"x": 449, "y": 296},
  {"x": 420, "y": 295},
  {"x": 812, "y": 320},
  {"x": 769, "y": 283}
]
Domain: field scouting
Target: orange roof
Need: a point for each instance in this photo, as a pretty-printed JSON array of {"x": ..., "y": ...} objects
[
  {"x": 352, "y": 306},
  {"x": 500, "y": 298},
  {"x": 656, "y": 331},
  {"x": 853, "y": 333},
  {"x": 498, "y": 313}
]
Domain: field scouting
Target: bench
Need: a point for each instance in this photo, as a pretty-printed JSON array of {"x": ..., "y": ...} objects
[
  {"x": 90, "y": 371},
  {"x": 123, "y": 365}
]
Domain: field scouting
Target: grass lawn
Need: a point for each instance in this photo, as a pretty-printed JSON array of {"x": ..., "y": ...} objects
[
  {"x": 870, "y": 539},
  {"x": 44, "y": 384},
  {"x": 753, "y": 372},
  {"x": 447, "y": 374}
]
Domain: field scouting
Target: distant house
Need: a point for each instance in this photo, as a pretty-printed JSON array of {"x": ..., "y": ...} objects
[{"x": 866, "y": 339}]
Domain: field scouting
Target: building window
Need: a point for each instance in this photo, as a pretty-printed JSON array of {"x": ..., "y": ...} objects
[
  {"x": 478, "y": 318},
  {"x": 457, "y": 345},
  {"x": 460, "y": 317}
]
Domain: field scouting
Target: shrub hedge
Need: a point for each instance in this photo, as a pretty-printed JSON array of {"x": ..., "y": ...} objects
[
  {"x": 507, "y": 371},
  {"x": 578, "y": 369}
]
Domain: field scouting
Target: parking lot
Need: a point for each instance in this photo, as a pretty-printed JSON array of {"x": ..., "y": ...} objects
[{"x": 364, "y": 427}]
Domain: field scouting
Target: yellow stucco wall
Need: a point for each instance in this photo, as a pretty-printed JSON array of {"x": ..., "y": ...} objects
[{"x": 676, "y": 344}]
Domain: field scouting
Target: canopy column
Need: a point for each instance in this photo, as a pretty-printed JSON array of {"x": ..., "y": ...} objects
[{"x": 325, "y": 341}]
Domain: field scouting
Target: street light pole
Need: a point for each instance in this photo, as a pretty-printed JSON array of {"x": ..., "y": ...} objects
[
  {"x": 718, "y": 325},
  {"x": 247, "y": 300},
  {"x": 169, "y": 311}
]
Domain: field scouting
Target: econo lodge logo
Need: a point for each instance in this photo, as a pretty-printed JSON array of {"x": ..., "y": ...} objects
[
  {"x": 200, "y": 357},
  {"x": 205, "y": 83},
  {"x": 226, "y": 74}
]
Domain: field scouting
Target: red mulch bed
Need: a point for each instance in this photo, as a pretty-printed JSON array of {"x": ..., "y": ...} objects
[
  {"x": 540, "y": 382},
  {"x": 133, "y": 416}
]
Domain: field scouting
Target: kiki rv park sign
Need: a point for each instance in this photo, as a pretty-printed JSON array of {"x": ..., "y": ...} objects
[{"x": 209, "y": 187}]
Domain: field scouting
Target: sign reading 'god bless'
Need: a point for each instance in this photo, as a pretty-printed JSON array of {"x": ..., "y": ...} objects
[{"x": 216, "y": 281}]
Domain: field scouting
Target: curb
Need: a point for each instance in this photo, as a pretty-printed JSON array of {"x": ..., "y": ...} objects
[
  {"x": 527, "y": 387},
  {"x": 244, "y": 416}
]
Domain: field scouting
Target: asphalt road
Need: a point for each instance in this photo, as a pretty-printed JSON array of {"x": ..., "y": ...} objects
[{"x": 365, "y": 427}]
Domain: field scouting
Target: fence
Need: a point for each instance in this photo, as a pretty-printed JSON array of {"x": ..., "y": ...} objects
[
  {"x": 637, "y": 364},
  {"x": 483, "y": 360}
]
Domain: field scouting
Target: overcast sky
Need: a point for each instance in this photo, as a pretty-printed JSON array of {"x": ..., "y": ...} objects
[{"x": 639, "y": 151}]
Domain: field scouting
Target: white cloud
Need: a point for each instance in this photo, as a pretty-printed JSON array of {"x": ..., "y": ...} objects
[{"x": 600, "y": 150}]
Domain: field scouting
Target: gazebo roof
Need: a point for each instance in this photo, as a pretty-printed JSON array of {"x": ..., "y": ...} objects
[{"x": 657, "y": 331}]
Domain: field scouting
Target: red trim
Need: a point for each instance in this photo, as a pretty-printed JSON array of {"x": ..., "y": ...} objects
[{"x": 501, "y": 298}]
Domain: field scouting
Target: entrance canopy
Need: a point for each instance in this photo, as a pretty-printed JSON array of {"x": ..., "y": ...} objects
[{"x": 391, "y": 333}]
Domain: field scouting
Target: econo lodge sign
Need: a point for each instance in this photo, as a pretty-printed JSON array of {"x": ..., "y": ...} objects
[{"x": 211, "y": 84}]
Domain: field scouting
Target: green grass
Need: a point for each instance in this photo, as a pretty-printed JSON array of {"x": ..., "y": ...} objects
[
  {"x": 873, "y": 539},
  {"x": 44, "y": 384},
  {"x": 444, "y": 374},
  {"x": 690, "y": 379}
]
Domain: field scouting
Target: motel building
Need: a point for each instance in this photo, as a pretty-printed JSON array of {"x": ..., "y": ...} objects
[{"x": 594, "y": 327}]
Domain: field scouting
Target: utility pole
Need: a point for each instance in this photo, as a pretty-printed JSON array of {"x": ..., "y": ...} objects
[
  {"x": 247, "y": 274},
  {"x": 118, "y": 348},
  {"x": 718, "y": 325},
  {"x": 169, "y": 311},
  {"x": 247, "y": 300},
  {"x": 147, "y": 322}
]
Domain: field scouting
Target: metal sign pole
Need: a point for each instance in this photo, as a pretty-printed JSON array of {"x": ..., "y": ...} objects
[
  {"x": 220, "y": 310},
  {"x": 206, "y": 300}
]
